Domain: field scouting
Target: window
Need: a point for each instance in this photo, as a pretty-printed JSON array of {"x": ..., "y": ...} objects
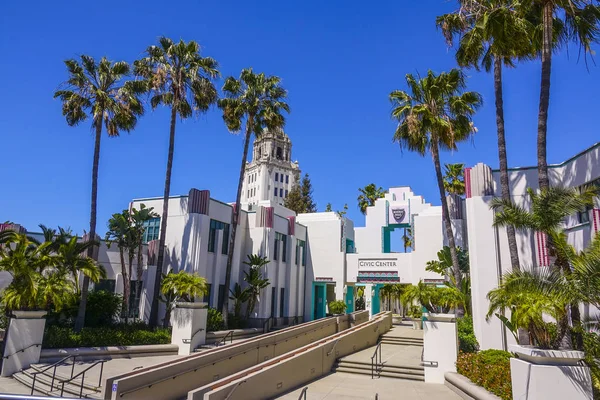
[
  {"x": 275, "y": 192},
  {"x": 584, "y": 216},
  {"x": 276, "y": 176},
  {"x": 206, "y": 298},
  {"x": 286, "y": 193},
  {"x": 279, "y": 153},
  {"x": 225, "y": 244},
  {"x": 212, "y": 236},
  {"x": 280, "y": 192},
  {"x": 284, "y": 252},
  {"x": 105, "y": 284},
  {"x": 221, "y": 298},
  {"x": 276, "y": 246},
  {"x": 248, "y": 193},
  {"x": 281, "y": 302},
  {"x": 152, "y": 229},
  {"x": 300, "y": 251},
  {"x": 281, "y": 178},
  {"x": 273, "y": 302},
  {"x": 287, "y": 179}
]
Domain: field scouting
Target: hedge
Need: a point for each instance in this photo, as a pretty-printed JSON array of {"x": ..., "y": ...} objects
[
  {"x": 466, "y": 336},
  {"x": 489, "y": 369},
  {"x": 115, "y": 335}
]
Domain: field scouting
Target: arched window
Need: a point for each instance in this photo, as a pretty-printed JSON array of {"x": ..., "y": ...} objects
[{"x": 279, "y": 153}]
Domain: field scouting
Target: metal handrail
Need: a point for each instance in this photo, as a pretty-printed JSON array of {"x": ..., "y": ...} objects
[
  {"x": 303, "y": 393},
  {"x": 333, "y": 348},
  {"x": 187, "y": 341},
  {"x": 234, "y": 388},
  {"x": 101, "y": 362},
  {"x": 433, "y": 364},
  {"x": 225, "y": 339},
  {"x": 14, "y": 396},
  {"x": 56, "y": 364},
  {"x": 376, "y": 361},
  {"x": 266, "y": 323},
  {"x": 22, "y": 350}
]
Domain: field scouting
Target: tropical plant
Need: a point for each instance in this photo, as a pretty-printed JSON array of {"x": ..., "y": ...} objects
[
  {"x": 255, "y": 280},
  {"x": 548, "y": 210},
  {"x": 119, "y": 232},
  {"x": 328, "y": 207},
  {"x": 454, "y": 179},
  {"x": 300, "y": 198},
  {"x": 407, "y": 239},
  {"x": 239, "y": 296},
  {"x": 337, "y": 307},
  {"x": 343, "y": 212},
  {"x": 138, "y": 218},
  {"x": 436, "y": 114},
  {"x": 368, "y": 195},
  {"x": 214, "y": 320},
  {"x": 492, "y": 32},
  {"x": 178, "y": 77},
  {"x": 467, "y": 342},
  {"x": 415, "y": 312},
  {"x": 260, "y": 101},
  {"x": 180, "y": 287},
  {"x": 99, "y": 90}
]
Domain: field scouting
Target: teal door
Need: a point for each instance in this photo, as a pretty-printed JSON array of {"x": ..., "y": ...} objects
[
  {"x": 349, "y": 299},
  {"x": 375, "y": 304},
  {"x": 319, "y": 301}
]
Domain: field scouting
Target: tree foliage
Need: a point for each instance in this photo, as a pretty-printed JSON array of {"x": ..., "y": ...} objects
[
  {"x": 368, "y": 195},
  {"x": 300, "y": 198},
  {"x": 454, "y": 179}
]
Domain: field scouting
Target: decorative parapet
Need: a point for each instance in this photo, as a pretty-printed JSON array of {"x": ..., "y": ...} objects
[
  {"x": 264, "y": 217},
  {"x": 479, "y": 181},
  {"x": 198, "y": 201},
  {"x": 292, "y": 226},
  {"x": 12, "y": 227}
]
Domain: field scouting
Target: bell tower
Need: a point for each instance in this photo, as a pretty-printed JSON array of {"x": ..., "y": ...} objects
[{"x": 271, "y": 174}]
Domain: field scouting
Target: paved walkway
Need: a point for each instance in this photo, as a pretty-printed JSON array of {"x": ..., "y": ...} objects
[{"x": 341, "y": 385}]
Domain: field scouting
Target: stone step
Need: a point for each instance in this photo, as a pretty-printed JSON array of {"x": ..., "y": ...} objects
[
  {"x": 401, "y": 369},
  {"x": 384, "y": 373},
  {"x": 401, "y": 343},
  {"x": 42, "y": 385}
]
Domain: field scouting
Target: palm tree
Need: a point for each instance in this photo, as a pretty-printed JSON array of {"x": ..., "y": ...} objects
[
  {"x": 436, "y": 114},
  {"x": 458, "y": 295},
  {"x": 119, "y": 231},
  {"x": 239, "y": 296},
  {"x": 138, "y": 218},
  {"x": 181, "y": 286},
  {"x": 72, "y": 261},
  {"x": 549, "y": 208},
  {"x": 178, "y": 77},
  {"x": 255, "y": 280},
  {"x": 407, "y": 239},
  {"x": 454, "y": 179},
  {"x": 368, "y": 195},
  {"x": 99, "y": 90},
  {"x": 259, "y": 100},
  {"x": 422, "y": 294},
  {"x": 492, "y": 33},
  {"x": 579, "y": 19}
]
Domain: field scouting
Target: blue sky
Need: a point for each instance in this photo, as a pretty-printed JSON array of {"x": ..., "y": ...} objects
[{"x": 338, "y": 59}]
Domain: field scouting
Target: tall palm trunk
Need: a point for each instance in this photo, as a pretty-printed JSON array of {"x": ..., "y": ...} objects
[
  {"x": 544, "y": 96},
  {"x": 139, "y": 269},
  {"x": 80, "y": 320},
  {"x": 510, "y": 230},
  {"x": 446, "y": 215},
  {"x": 163, "y": 223},
  {"x": 234, "y": 220},
  {"x": 125, "y": 282}
]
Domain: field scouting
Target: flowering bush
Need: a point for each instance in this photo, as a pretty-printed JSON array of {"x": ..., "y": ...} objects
[{"x": 489, "y": 369}]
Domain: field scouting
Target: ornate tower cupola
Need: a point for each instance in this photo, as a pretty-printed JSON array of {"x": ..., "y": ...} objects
[{"x": 271, "y": 174}]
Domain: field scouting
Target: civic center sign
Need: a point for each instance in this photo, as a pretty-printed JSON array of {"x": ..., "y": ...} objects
[
  {"x": 398, "y": 215},
  {"x": 377, "y": 262}
]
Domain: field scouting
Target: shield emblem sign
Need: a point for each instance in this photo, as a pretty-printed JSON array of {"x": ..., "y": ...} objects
[{"x": 399, "y": 214}]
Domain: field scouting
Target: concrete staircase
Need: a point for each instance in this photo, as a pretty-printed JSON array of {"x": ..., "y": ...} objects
[
  {"x": 400, "y": 340},
  {"x": 43, "y": 383},
  {"x": 401, "y": 350},
  {"x": 407, "y": 372}
]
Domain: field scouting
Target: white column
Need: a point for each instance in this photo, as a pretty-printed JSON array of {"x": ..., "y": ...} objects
[
  {"x": 23, "y": 341},
  {"x": 440, "y": 346},
  {"x": 189, "y": 326}
]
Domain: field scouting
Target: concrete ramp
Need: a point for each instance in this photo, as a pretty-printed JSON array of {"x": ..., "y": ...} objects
[
  {"x": 283, "y": 373},
  {"x": 173, "y": 380}
]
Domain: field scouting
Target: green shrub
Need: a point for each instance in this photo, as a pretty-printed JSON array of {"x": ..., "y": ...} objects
[
  {"x": 466, "y": 335},
  {"x": 489, "y": 369},
  {"x": 415, "y": 312},
  {"x": 103, "y": 308},
  {"x": 214, "y": 320},
  {"x": 115, "y": 335},
  {"x": 337, "y": 307}
]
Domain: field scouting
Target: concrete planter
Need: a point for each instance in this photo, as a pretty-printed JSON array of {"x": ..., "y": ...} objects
[
  {"x": 549, "y": 374},
  {"x": 23, "y": 341},
  {"x": 436, "y": 317},
  {"x": 417, "y": 324},
  {"x": 29, "y": 314},
  {"x": 189, "y": 305}
]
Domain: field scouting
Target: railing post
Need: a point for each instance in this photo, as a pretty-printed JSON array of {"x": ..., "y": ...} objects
[
  {"x": 82, "y": 380},
  {"x": 101, "y": 369},
  {"x": 73, "y": 367},
  {"x": 33, "y": 385}
]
